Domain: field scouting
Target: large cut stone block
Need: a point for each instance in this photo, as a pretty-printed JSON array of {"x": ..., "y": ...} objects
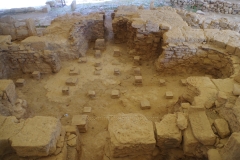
[
  {"x": 9, "y": 126},
  {"x": 168, "y": 133},
  {"x": 231, "y": 149},
  {"x": 38, "y": 137},
  {"x": 36, "y": 43},
  {"x": 131, "y": 135},
  {"x": 213, "y": 154},
  {"x": 201, "y": 127},
  {"x": 190, "y": 143},
  {"x": 8, "y": 88}
]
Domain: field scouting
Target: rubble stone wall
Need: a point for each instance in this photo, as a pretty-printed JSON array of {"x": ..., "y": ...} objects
[
  {"x": 143, "y": 34},
  {"x": 15, "y": 58},
  {"x": 219, "y": 6},
  {"x": 195, "y": 50},
  {"x": 88, "y": 29},
  {"x": 199, "y": 21},
  {"x": 17, "y": 29}
]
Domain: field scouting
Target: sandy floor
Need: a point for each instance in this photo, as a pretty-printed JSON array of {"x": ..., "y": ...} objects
[{"x": 45, "y": 97}]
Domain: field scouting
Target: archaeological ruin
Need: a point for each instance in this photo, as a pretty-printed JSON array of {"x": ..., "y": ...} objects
[{"x": 120, "y": 80}]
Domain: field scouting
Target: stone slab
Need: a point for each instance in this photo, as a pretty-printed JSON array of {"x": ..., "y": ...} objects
[{"x": 201, "y": 127}]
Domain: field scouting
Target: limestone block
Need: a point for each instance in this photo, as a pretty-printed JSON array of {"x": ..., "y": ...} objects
[
  {"x": 100, "y": 44},
  {"x": 82, "y": 60},
  {"x": 31, "y": 27},
  {"x": 213, "y": 154},
  {"x": 20, "y": 82},
  {"x": 169, "y": 95},
  {"x": 236, "y": 89},
  {"x": 87, "y": 109},
  {"x": 115, "y": 94},
  {"x": 190, "y": 143},
  {"x": 130, "y": 135},
  {"x": 162, "y": 82},
  {"x": 38, "y": 137},
  {"x": 185, "y": 105},
  {"x": 5, "y": 39},
  {"x": 10, "y": 126},
  {"x": 200, "y": 125},
  {"x": 65, "y": 90},
  {"x": 231, "y": 149},
  {"x": 222, "y": 127},
  {"x": 183, "y": 82},
  {"x": 221, "y": 97},
  {"x": 167, "y": 132},
  {"x": 97, "y": 64},
  {"x": 116, "y": 71},
  {"x": 72, "y": 81},
  {"x": 81, "y": 121},
  {"x": 97, "y": 72},
  {"x": 36, "y": 75},
  {"x": 36, "y": 43},
  {"x": 7, "y": 87},
  {"x": 97, "y": 54},
  {"x": 182, "y": 121},
  {"x": 145, "y": 104},
  {"x": 91, "y": 94},
  {"x": 137, "y": 71},
  {"x": 23, "y": 32},
  {"x": 138, "y": 79},
  {"x": 116, "y": 52},
  {"x": 74, "y": 72}
]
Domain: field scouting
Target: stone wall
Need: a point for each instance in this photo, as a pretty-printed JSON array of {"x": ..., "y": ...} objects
[
  {"x": 71, "y": 39},
  {"x": 22, "y": 58},
  {"x": 88, "y": 29},
  {"x": 142, "y": 29},
  {"x": 200, "y": 21},
  {"x": 17, "y": 29},
  {"x": 195, "y": 50},
  {"x": 219, "y": 6}
]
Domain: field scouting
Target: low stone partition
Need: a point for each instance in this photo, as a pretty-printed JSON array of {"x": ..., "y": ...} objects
[
  {"x": 206, "y": 51},
  {"x": 18, "y": 29},
  {"x": 219, "y": 6},
  {"x": 27, "y": 58}
]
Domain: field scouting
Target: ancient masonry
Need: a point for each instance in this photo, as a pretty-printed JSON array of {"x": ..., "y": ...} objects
[
  {"x": 219, "y": 6},
  {"x": 163, "y": 34}
]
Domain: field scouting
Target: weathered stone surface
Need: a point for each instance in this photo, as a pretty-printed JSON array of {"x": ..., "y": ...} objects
[
  {"x": 201, "y": 127},
  {"x": 5, "y": 39},
  {"x": 213, "y": 154},
  {"x": 168, "y": 133},
  {"x": 222, "y": 127},
  {"x": 182, "y": 121},
  {"x": 9, "y": 127},
  {"x": 38, "y": 137},
  {"x": 8, "y": 88},
  {"x": 232, "y": 148},
  {"x": 131, "y": 135},
  {"x": 190, "y": 143},
  {"x": 36, "y": 43}
]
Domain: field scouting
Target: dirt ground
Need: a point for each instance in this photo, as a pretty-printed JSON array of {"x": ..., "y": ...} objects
[{"x": 45, "y": 96}]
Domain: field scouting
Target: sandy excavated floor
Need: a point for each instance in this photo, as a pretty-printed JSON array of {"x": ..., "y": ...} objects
[{"x": 45, "y": 96}]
